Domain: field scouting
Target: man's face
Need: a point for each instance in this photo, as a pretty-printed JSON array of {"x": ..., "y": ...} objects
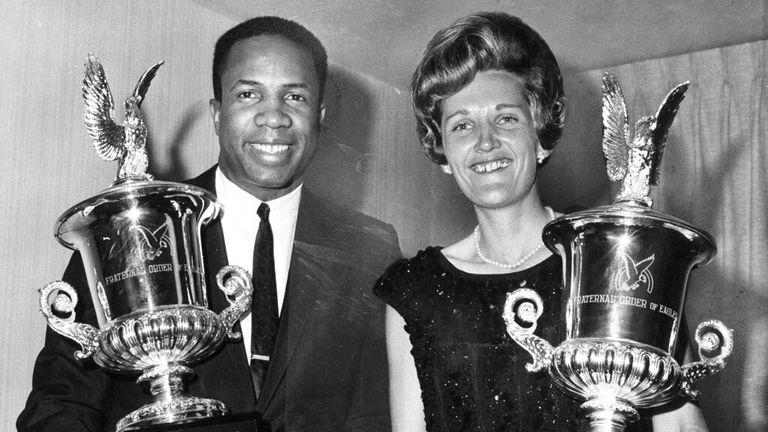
[{"x": 269, "y": 114}]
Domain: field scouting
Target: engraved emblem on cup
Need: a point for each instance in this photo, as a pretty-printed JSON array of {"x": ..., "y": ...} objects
[
  {"x": 151, "y": 243},
  {"x": 141, "y": 250},
  {"x": 634, "y": 275},
  {"x": 625, "y": 270}
]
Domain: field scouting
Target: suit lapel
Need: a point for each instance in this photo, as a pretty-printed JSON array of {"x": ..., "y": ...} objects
[
  {"x": 309, "y": 275},
  {"x": 307, "y": 278},
  {"x": 215, "y": 252},
  {"x": 215, "y": 261},
  {"x": 229, "y": 375}
]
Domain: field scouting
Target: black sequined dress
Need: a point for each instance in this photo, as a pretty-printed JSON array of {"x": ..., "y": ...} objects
[{"x": 472, "y": 374}]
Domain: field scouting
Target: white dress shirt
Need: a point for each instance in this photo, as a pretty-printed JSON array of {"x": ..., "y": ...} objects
[{"x": 240, "y": 223}]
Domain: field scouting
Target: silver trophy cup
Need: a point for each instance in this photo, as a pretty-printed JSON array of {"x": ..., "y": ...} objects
[
  {"x": 625, "y": 270},
  {"x": 139, "y": 241}
]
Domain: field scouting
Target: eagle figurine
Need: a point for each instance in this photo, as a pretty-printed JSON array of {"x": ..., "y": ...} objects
[
  {"x": 635, "y": 159},
  {"x": 112, "y": 141}
]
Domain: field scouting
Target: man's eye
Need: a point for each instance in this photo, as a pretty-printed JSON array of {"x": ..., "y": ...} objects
[
  {"x": 246, "y": 95},
  {"x": 296, "y": 97}
]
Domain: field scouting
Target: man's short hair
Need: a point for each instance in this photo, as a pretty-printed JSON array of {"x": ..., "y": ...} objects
[
  {"x": 477, "y": 43},
  {"x": 269, "y": 25}
]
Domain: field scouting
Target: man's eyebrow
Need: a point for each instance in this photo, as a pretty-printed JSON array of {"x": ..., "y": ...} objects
[
  {"x": 299, "y": 85},
  {"x": 245, "y": 82}
]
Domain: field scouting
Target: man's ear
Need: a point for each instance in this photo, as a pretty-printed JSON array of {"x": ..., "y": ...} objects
[
  {"x": 215, "y": 107},
  {"x": 446, "y": 169}
]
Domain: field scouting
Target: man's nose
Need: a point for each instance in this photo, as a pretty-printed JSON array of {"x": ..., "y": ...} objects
[
  {"x": 273, "y": 116},
  {"x": 486, "y": 138}
]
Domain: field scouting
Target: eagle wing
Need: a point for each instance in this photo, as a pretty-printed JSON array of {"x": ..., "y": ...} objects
[
  {"x": 664, "y": 118},
  {"x": 108, "y": 137},
  {"x": 143, "y": 85},
  {"x": 616, "y": 137}
]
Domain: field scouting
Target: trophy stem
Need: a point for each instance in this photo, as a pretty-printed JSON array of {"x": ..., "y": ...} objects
[
  {"x": 171, "y": 402},
  {"x": 166, "y": 383},
  {"x": 608, "y": 416}
]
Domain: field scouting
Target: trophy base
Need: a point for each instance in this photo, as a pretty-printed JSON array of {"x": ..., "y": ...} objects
[
  {"x": 238, "y": 422},
  {"x": 180, "y": 410},
  {"x": 172, "y": 404}
]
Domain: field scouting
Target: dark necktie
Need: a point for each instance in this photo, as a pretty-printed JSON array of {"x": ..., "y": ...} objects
[{"x": 264, "y": 314}]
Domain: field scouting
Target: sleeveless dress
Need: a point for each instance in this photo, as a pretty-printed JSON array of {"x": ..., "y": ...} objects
[{"x": 472, "y": 374}]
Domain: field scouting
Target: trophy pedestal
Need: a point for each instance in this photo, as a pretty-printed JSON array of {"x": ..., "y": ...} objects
[
  {"x": 184, "y": 409},
  {"x": 172, "y": 404}
]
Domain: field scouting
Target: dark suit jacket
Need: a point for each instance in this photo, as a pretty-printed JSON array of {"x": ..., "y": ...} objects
[{"x": 329, "y": 369}]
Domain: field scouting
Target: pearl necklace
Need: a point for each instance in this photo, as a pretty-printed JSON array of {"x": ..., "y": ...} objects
[{"x": 504, "y": 265}]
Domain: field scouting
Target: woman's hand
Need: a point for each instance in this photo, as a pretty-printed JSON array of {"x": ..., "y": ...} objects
[{"x": 687, "y": 418}]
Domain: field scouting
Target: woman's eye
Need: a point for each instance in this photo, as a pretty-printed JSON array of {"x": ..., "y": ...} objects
[
  {"x": 508, "y": 119},
  {"x": 461, "y": 126}
]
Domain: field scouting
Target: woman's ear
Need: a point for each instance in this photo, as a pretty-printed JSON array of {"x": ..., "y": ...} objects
[{"x": 446, "y": 169}]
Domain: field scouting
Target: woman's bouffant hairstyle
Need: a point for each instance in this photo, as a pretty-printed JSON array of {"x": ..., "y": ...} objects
[{"x": 481, "y": 42}]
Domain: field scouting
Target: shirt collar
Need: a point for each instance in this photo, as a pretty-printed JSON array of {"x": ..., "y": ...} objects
[{"x": 282, "y": 208}]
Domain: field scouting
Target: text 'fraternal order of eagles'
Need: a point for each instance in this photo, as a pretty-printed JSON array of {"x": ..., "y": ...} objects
[
  {"x": 626, "y": 300},
  {"x": 152, "y": 268}
]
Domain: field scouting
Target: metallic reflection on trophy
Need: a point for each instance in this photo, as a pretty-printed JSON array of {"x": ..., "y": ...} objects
[
  {"x": 140, "y": 245},
  {"x": 625, "y": 269}
]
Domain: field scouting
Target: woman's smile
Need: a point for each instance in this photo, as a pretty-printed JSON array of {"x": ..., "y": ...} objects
[{"x": 490, "y": 166}]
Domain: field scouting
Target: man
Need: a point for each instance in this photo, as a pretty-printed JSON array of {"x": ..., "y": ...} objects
[{"x": 327, "y": 371}]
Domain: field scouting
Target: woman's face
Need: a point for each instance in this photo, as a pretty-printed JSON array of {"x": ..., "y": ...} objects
[{"x": 490, "y": 141}]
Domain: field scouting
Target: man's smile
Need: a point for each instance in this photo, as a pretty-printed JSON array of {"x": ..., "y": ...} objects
[{"x": 270, "y": 148}]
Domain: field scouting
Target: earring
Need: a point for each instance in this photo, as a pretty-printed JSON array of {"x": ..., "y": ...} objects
[
  {"x": 542, "y": 155},
  {"x": 446, "y": 169}
]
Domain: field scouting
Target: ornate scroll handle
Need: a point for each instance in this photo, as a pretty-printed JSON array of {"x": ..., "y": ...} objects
[
  {"x": 235, "y": 282},
  {"x": 63, "y": 298},
  {"x": 710, "y": 336},
  {"x": 529, "y": 307}
]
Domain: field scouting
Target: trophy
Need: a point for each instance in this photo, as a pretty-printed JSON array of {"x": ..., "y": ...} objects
[
  {"x": 140, "y": 246},
  {"x": 625, "y": 270}
]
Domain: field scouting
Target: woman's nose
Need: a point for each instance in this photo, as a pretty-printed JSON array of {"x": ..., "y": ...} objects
[{"x": 486, "y": 139}]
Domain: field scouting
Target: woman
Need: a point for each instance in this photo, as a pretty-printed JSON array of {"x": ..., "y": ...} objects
[{"x": 489, "y": 102}]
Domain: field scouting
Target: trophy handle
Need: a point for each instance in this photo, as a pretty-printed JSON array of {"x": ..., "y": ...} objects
[
  {"x": 235, "y": 282},
  {"x": 711, "y": 336},
  {"x": 63, "y": 298},
  {"x": 529, "y": 307}
]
